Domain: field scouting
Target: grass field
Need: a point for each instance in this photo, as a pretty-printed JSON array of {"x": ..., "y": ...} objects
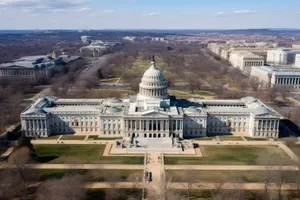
[
  {"x": 55, "y": 137},
  {"x": 2, "y": 150},
  {"x": 204, "y": 138},
  {"x": 220, "y": 176},
  {"x": 229, "y": 155},
  {"x": 255, "y": 139},
  {"x": 72, "y": 137},
  {"x": 245, "y": 195},
  {"x": 62, "y": 153},
  {"x": 230, "y": 138},
  {"x": 95, "y": 137},
  {"x": 125, "y": 194},
  {"x": 185, "y": 93},
  {"x": 89, "y": 175}
]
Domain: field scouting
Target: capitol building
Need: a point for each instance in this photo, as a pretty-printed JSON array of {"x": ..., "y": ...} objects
[{"x": 152, "y": 113}]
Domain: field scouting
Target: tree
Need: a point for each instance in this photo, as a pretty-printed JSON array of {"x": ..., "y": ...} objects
[
  {"x": 11, "y": 184},
  {"x": 188, "y": 179},
  {"x": 218, "y": 192},
  {"x": 112, "y": 194},
  {"x": 113, "y": 178},
  {"x": 25, "y": 142},
  {"x": 254, "y": 83},
  {"x": 69, "y": 187},
  {"x": 135, "y": 179},
  {"x": 164, "y": 191},
  {"x": 19, "y": 160}
]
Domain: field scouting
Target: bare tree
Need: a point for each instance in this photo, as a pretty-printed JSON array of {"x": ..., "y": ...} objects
[
  {"x": 112, "y": 194},
  {"x": 254, "y": 83},
  {"x": 135, "y": 179},
  {"x": 112, "y": 178},
  {"x": 18, "y": 160},
  {"x": 218, "y": 192},
  {"x": 189, "y": 179},
  {"x": 11, "y": 184},
  {"x": 69, "y": 187}
]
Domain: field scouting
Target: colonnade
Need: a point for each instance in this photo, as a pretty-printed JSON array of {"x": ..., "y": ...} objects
[
  {"x": 35, "y": 124},
  {"x": 266, "y": 127},
  {"x": 154, "y": 92},
  {"x": 153, "y": 125},
  {"x": 23, "y": 72},
  {"x": 287, "y": 81}
]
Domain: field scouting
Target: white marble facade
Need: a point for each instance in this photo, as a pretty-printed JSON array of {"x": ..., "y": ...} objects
[
  {"x": 150, "y": 114},
  {"x": 274, "y": 77}
]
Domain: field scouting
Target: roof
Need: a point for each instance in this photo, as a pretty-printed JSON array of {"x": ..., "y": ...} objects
[{"x": 246, "y": 54}]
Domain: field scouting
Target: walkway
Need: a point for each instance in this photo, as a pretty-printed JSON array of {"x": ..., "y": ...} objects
[
  {"x": 81, "y": 166},
  {"x": 199, "y": 186},
  {"x": 229, "y": 167},
  {"x": 154, "y": 166},
  {"x": 71, "y": 141}
]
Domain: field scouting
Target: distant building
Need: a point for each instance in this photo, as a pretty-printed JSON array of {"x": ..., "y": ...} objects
[
  {"x": 98, "y": 46},
  {"x": 282, "y": 56},
  {"x": 129, "y": 38},
  {"x": 297, "y": 61},
  {"x": 244, "y": 60},
  {"x": 30, "y": 67},
  {"x": 274, "y": 77},
  {"x": 86, "y": 39}
]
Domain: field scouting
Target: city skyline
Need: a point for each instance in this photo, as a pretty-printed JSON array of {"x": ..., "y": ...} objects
[{"x": 146, "y": 14}]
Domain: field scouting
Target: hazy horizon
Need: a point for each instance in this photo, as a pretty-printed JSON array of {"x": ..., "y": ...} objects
[{"x": 146, "y": 14}]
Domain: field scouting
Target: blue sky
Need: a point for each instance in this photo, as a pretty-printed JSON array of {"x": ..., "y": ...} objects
[{"x": 149, "y": 14}]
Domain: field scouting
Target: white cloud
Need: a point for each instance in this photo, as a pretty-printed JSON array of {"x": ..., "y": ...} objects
[
  {"x": 151, "y": 14},
  {"x": 244, "y": 11},
  {"x": 108, "y": 11},
  {"x": 235, "y": 12},
  {"x": 82, "y": 9},
  {"x": 44, "y": 5}
]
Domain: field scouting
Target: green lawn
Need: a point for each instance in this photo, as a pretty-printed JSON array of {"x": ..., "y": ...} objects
[
  {"x": 124, "y": 194},
  {"x": 72, "y": 137},
  {"x": 255, "y": 139},
  {"x": 62, "y": 153},
  {"x": 95, "y": 137},
  {"x": 230, "y": 138},
  {"x": 229, "y": 155},
  {"x": 227, "y": 194},
  {"x": 88, "y": 175},
  {"x": 2, "y": 150},
  {"x": 219, "y": 176},
  {"x": 55, "y": 137},
  {"x": 204, "y": 138}
]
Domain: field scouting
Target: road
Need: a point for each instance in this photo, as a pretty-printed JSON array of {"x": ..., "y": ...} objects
[{"x": 96, "y": 64}]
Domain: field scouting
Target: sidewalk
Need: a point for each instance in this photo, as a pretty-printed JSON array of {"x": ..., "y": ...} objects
[
  {"x": 230, "y": 167},
  {"x": 199, "y": 186},
  {"x": 81, "y": 166}
]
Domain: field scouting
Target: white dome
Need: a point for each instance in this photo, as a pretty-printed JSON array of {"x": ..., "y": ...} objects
[
  {"x": 153, "y": 75},
  {"x": 153, "y": 84}
]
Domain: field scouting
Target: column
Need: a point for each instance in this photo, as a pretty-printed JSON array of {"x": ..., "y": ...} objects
[
  {"x": 33, "y": 124},
  {"x": 147, "y": 125},
  {"x": 140, "y": 128},
  {"x": 25, "y": 125}
]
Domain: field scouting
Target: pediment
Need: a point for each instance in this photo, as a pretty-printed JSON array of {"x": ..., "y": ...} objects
[{"x": 154, "y": 113}]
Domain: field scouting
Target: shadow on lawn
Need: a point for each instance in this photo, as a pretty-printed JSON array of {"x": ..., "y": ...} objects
[{"x": 45, "y": 159}]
